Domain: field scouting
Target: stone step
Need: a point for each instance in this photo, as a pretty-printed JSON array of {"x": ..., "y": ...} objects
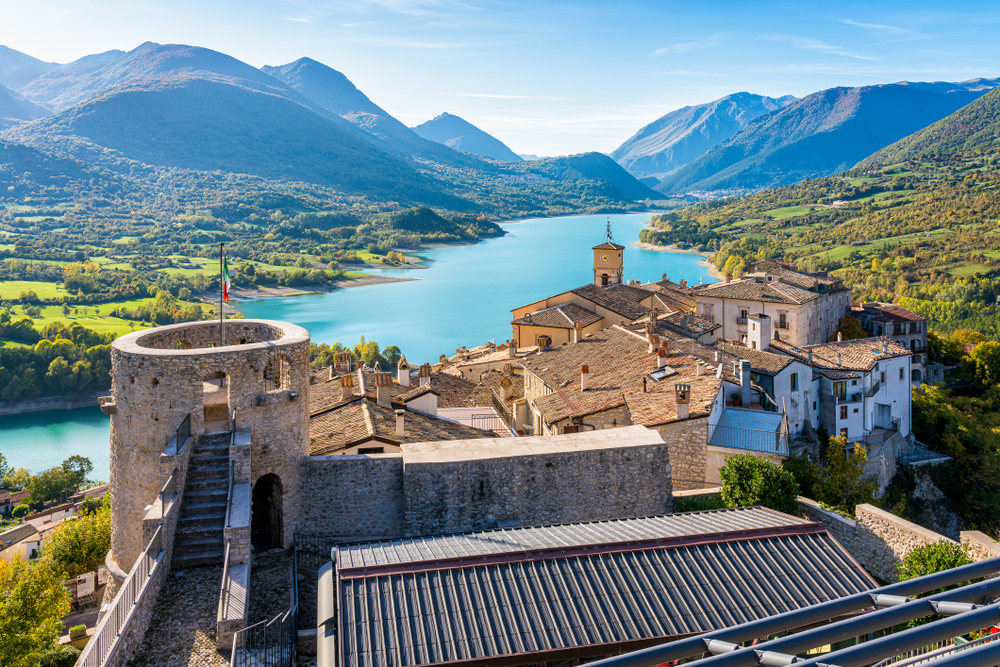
[
  {"x": 205, "y": 447},
  {"x": 186, "y": 532},
  {"x": 196, "y": 544},
  {"x": 206, "y": 520},
  {"x": 221, "y": 458},
  {"x": 196, "y": 558},
  {"x": 203, "y": 505},
  {"x": 208, "y": 472},
  {"x": 206, "y": 495}
]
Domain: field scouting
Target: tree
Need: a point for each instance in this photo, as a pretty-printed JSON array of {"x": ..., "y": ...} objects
[
  {"x": 753, "y": 480},
  {"x": 75, "y": 470},
  {"x": 33, "y": 599},
  {"x": 80, "y": 544},
  {"x": 986, "y": 358},
  {"x": 841, "y": 482},
  {"x": 47, "y": 485},
  {"x": 17, "y": 479},
  {"x": 4, "y": 469},
  {"x": 849, "y": 327}
]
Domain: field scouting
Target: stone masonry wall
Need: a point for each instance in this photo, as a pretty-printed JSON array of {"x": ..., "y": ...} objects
[
  {"x": 547, "y": 488},
  {"x": 883, "y": 539},
  {"x": 352, "y": 496},
  {"x": 980, "y": 546},
  {"x": 844, "y": 530},
  {"x": 600, "y": 420},
  {"x": 687, "y": 442}
]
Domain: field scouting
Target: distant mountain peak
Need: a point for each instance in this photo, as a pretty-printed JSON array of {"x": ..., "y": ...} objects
[
  {"x": 681, "y": 136},
  {"x": 17, "y": 69},
  {"x": 456, "y": 132}
]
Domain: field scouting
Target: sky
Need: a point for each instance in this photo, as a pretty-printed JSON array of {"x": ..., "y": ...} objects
[{"x": 546, "y": 78}]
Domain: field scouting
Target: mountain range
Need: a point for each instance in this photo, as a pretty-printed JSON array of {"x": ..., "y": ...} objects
[
  {"x": 462, "y": 135},
  {"x": 670, "y": 142},
  {"x": 189, "y": 107}
]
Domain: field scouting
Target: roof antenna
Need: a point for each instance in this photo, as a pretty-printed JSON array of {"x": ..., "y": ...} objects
[{"x": 607, "y": 233}]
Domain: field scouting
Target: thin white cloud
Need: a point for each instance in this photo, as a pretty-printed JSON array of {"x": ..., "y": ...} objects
[
  {"x": 684, "y": 72},
  {"x": 299, "y": 20},
  {"x": 877, "y": 27},
  {"x": 809, "y": 44},
  {"x": 707, "y": 43}
]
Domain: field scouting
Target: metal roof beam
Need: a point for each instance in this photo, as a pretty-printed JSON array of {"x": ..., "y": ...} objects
[
  {"x": 882, "y": 600},
  {"x": 985, "y": 655},
  {"x": 807, "y": 616},
  {"x": 772, "y": 659}
]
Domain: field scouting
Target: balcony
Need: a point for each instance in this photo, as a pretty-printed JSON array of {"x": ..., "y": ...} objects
[
  {"x": 741, "y": 321},
  {"x": 872, "y": 390},
  {"x": 783, "y": 324},
  {"x": 854, "y": 397}
]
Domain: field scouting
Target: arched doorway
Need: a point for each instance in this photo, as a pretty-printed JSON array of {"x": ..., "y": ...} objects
[
  {"x": 265, "y": 518},
  {"x": 604, "y": 279},
  {"x": 215, "y": 399}
]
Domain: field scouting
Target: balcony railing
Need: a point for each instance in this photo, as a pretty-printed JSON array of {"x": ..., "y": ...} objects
[
  {"x": 749, "y": 439},
  {"x": 872, "y": 390},
  {"x": 741, "y": 321},
  {"x": 854, "y": 397},
  {"x": 782, "y": 324}
]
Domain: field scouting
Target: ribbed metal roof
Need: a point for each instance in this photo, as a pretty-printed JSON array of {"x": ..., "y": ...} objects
[
  {"x": 416, "y": 549},
  {"x": 600, "y": 597}
]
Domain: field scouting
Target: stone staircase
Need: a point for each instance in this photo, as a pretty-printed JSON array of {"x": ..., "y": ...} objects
[{"x": 199, "y": 539}]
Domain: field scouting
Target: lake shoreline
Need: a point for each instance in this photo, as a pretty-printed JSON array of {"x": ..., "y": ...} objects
[
  {"x": 706, "y": 262},
  {"x": 47, "y": 403}
]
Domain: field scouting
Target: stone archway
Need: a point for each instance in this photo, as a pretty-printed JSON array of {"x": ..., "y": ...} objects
[
  {"x": 266, "y": 516},
  {"x": 215, "y": 401}
]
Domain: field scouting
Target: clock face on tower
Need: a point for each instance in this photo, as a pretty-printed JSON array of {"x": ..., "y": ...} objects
[{"x": 604, "y": 257}]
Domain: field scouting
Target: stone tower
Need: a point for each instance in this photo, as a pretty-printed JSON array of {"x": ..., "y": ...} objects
[
  {"x": 257, "y": 380},
  {"x": 608, "y": 261}
]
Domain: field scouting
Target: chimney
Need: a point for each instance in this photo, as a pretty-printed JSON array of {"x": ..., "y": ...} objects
[
  {"x": 777, "y": 336},
  {"x": 383, "y": 395},
  {"x": 512, "y": 348},
  {"x": 399, "y": 423},
  {"x": 840, "y": 337},
  {"x": 505, "y": 389},
  {"x": 584, "y": 377},
  {"x": 699, "y": 368},
  {"x": 885, "y": 347},
  {"x": 403, "y": 372},
  {"x": 342, "y": 362},
  {"x": 661, "y": 358},
  {"x": 668, "y": 347},
  {"x": 654, "y": 342},
  {"x": 690, "y": 319},
  {"x": 346, "y": 387},
  {"x": 664, "y": 276},
  {"x": 577, "y": 332},
  {"x": 745, "y": 381},
  {"x": 424, "y": 375},
  {"x": 654, "y": 317},
  {"x": 683, "y": 283},
  {"x": 840, "y": 359},
  {"x": 810, "y": 357},
  {"x": 443, "y": 360},
  {"x": 683, "y": 394},
  {"x": 718, "y": 356},
  {"x": 329, "y": 372}
]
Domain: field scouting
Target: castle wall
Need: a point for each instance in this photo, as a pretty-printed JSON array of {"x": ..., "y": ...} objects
[
  {"x": 353, "y": 497},
  {"x": 157, "y": 381},
  {"x": 687, "y": 441}
]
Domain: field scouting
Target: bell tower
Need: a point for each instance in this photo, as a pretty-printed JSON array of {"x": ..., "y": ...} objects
[{"x": 608, "y": 261}]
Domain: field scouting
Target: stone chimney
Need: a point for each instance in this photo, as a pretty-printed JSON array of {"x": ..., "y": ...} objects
[
  {"x": 399, "y": 423},
  {"x": 718, "y": 356},
  {"x": 584, "y": 377},
  {"x": 745, "y": 381},
  {"x": 654, "y": 342},
  {"x": 664, "y": 276},
  {"x": 699, "y": 368},
  {"x": 383, "y": 394},
  {"x": 668, "y": 347},
  {"x": 443, "y": 360},
  {"x": 403, "y": 372},
  {"x": 577, "y": 332},
  {"x": 424, "y": 375},
  {"x": 661, "y": 358},
  {"x": 654, "y": 318},
  {"x": 690, "y": 319},
  {"x": 346, "y": 387},
  {"x": 885, "y": 347},
  {"x": 342, "y": 362},
  {"x": 840, "y": 359},
  {"x": 810, "y": 357},
  {"x": 728, "y": 278},
  {"x": 759, "y": 331},
  {"x": 512, "y": 348},
  {"x": 506, "y": 388},
  {"x": 683, "y": 394},
  {"x": 840, "y": 337},
  {"x": 683, "y": 283}
]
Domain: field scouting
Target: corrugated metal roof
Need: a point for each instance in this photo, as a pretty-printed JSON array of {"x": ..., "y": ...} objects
[
  {"x": 590, "y": 604},
  {"x": 416, "y": 549}
]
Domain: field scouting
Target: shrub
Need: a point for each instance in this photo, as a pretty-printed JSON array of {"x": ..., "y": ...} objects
[
  {"x": 20, "y": 511},
  {"x": 931, "y": 558},
  {"x": 752, "y": 480},
  {"x": 806, "y": 473},
  {"x": 698, "y": 503}
]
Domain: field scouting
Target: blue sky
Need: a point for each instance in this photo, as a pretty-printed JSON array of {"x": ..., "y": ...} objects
[{"x": 545, "y": 77}]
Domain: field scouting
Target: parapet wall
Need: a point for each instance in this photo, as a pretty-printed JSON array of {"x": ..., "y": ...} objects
[{"x": 461, "y": 486}]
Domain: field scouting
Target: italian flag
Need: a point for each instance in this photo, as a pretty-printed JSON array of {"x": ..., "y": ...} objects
[{"x": 225, "y": 279}]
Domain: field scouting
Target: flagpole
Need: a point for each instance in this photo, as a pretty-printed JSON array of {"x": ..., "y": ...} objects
[{"x": 222, "y": 289}]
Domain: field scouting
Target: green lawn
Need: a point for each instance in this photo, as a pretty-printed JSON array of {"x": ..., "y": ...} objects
[
  {"x": 97, "y": 317},
  {"x": 9, "y": 289},
  {"x": 787, "y": 212},
  {"x": 969, "y": 270},
  {"x": 4, "y": 342},
  {"x": 861, "y": 180},
  {"x": 841, "y": 252}
]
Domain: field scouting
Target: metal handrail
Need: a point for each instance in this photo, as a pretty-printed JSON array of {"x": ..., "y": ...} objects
[
  {"x": 171, "y": 485},
  {"x": 182, "y": 433},
  {"x": 872, "y": 390},
  {"x": 224, "y": 588},
  {"x": 102, "y": 645},
  {"x": 229, "y": 496}
]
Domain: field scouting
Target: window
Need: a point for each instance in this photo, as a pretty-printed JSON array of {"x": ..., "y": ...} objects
[
  {"x": 843, "y": 431},
  {"x": 795, "y": 381},
  {"x": 840, "y": 390},
  {"x": 544, "y": 341},
  {"x": 371, "y": 450},
  {"x": 843, "y": 412},
  {"x": 782, "y": 321},
  {"x": 901, "y": 372},
  {"x": 882, "y": 377},
  {"x": 814, "y": 405}
]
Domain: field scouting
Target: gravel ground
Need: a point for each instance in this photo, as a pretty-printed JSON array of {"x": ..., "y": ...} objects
[
  {"x": 182, "y": 630},
  {"x": 269, "y": 584}
]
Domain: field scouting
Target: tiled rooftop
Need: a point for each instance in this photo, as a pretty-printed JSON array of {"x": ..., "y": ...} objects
[
  {"x": 855, "y": 355},
  {"x": 618, "y": 360},
  {"x": 563, "y": 316},
  {"x": 607, "y": 299},
  {"x": 768, "y": 363},
  {"x": 749, "y": 289}
]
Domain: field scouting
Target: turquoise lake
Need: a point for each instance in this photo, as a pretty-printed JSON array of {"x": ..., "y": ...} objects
[{"x": 464, "y": 298}]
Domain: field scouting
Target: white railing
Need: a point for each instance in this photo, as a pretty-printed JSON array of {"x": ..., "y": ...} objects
[{"x": 102, "y": 646}]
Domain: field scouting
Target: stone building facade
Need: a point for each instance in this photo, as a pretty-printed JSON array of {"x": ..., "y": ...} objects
[{"x": 160, "y": 378}]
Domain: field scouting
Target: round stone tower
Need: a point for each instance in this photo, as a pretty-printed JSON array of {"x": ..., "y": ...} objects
[{"x": 257, "y": 377}]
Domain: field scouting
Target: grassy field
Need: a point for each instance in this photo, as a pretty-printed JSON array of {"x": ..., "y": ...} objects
[
  {"x": 9, "y": 289},
  {"x": 969, "y": 270},
  {"x": 97, "y": 317},
  {"x": 12, "y": 343},
  {"x": 787, "y": 212}
]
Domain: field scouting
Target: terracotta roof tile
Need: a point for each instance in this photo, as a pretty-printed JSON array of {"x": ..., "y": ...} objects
[
  {"x": 751, "y": 290},
  {"x": 602, "y": 297},
  {"x": 768, "y": 363},
  {"x": 608, "y": 245},
  {"x": 563, "y": 316},
  {"x": 854, "y": 355}
]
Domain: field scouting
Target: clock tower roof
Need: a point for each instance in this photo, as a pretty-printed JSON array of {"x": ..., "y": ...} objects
[{"x": 608, "y": 245}]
